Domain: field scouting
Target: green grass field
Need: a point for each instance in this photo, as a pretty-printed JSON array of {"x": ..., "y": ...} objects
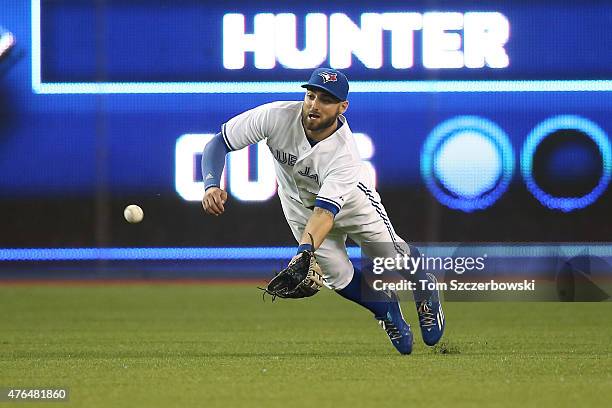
[{"x": 220, "y": 345}]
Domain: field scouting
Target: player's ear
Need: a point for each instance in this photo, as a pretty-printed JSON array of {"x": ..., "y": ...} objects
[{"x": 344, "y": 106}]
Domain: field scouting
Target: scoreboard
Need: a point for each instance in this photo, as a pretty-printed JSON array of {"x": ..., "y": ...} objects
[{"x": 465, "y": 111}]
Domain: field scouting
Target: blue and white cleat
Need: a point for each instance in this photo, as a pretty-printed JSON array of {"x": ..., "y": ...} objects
[
  {"x": 431, "y": 316},
  {"x": 396, "y": 327}
]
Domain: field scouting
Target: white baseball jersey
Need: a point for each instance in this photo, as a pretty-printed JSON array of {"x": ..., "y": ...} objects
[
  {"x": 331, "y": 172},
  {"x": 328, "y": 171}
]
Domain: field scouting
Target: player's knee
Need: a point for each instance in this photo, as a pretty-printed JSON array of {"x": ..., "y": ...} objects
[{"x": 336, "y": 275}]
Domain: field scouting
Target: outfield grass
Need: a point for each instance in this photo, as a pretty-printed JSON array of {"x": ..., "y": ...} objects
[{"x": 185, "y": 346}]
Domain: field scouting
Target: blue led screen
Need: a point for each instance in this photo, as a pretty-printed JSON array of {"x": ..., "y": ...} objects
[{"x": 473, "y": 106}]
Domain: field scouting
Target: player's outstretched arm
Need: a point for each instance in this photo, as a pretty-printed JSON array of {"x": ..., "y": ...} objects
[
  {"x": 318, "y": 226},
  {"x": 213, "y": 161}
]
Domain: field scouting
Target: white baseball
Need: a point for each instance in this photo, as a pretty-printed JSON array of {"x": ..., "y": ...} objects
[{"x": 133, "y": 214}]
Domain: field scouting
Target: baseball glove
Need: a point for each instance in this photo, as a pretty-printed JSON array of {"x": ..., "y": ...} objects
[{"x": 301, "y": 278}]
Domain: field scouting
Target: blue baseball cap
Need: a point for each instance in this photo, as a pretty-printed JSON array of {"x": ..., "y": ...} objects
[{"x": 329, "y": 80}]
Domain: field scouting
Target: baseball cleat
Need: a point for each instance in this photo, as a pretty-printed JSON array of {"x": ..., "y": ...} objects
[
  {"x": 396, "y": 327},
  {"x": 431, "y": 317}
]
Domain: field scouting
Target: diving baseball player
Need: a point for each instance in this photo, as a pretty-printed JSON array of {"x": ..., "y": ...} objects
[{"x": 327, "y": 194}]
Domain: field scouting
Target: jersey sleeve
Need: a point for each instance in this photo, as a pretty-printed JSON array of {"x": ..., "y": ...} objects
[
  {"x": 341, "y": 179},
  {"x": 247, "y": 128}
]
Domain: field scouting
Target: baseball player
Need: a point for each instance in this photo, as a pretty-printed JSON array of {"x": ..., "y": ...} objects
[{"x": 327, "y": 195}]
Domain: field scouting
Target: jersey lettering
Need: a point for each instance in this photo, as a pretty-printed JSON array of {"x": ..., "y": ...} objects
[
  {"x": 306, "y": 173},
  {"x": 285, "y": 158}
]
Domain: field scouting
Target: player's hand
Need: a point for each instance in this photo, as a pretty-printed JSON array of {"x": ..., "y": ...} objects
[{"x": 214, "y": 201}]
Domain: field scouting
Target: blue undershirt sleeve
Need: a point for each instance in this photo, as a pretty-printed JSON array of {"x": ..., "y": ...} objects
[
  {"x": 213, "y": 161},
  {"x": 328, "y": 205}
]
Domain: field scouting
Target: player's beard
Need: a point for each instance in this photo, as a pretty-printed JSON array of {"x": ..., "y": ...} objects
[{"x": 309, "y": 124}]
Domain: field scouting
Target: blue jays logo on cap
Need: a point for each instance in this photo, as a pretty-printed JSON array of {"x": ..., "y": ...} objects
[
  {"x": 329, "y": 80},
  {"x": 327, "y": 77}
]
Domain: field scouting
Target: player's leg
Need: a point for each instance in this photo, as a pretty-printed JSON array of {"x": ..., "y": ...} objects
[
  {"x": 347, "y": 281},
  {"x": 377, "y": 238},
  {"x": 386, "y": 309}
]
